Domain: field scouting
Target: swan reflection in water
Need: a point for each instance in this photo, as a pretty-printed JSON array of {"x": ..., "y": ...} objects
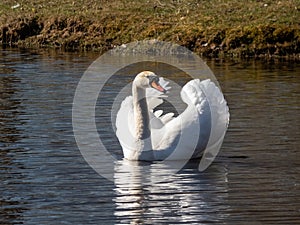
[{"x": 146, "y": 193}]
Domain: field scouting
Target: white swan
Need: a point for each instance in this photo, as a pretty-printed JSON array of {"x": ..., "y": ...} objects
[{"x": 146, "y": 135}]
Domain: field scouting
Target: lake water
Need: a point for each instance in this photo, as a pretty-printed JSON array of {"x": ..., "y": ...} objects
[{"x": 44, "y": 179}]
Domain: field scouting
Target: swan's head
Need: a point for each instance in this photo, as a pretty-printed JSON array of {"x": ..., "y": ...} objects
[{"x": 148, "y": 79}]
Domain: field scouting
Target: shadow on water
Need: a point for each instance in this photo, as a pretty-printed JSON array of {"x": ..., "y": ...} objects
[{"x": 45, "y": 180}]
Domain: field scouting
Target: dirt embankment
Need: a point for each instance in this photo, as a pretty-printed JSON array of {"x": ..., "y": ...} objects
[{"x": 79, "y": 32}]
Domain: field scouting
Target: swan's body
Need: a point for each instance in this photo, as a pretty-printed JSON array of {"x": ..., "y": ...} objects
[{"x": 146, "y": 135}]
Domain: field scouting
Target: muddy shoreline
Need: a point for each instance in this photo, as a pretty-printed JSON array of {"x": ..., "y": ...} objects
[{"x": 80, "y": 33}]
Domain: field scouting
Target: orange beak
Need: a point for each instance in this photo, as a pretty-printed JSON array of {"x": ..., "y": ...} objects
[{"x": 157, "y": 86}]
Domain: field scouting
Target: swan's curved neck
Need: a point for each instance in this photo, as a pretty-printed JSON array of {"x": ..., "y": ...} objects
[{"x": 141, "y": 114}]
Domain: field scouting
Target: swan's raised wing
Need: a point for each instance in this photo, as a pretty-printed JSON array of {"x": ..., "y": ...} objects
[
  {"x": 219, "y": 114},
  {"x": 199, "y": 127}
]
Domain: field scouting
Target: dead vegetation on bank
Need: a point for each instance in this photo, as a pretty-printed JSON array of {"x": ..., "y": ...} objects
[{"x": 212, "y": 28}]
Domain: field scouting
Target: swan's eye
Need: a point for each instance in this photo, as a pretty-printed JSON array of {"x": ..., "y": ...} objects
[{"x": 154, "y": 79}]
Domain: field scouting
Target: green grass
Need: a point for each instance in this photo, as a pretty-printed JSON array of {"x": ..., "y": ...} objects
[{"x": 210, "y": 27}]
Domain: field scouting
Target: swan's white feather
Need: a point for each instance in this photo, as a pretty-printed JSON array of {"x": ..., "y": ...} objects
[
  {"x": 158, "y": 113},
  {"x": 167, "y": 117}
]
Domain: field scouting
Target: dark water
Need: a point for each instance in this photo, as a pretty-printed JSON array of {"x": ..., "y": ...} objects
[{"x": 45, "y": 180}]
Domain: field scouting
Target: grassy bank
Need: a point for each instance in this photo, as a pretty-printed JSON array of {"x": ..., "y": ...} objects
[{"x": 208, "y": 27}]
